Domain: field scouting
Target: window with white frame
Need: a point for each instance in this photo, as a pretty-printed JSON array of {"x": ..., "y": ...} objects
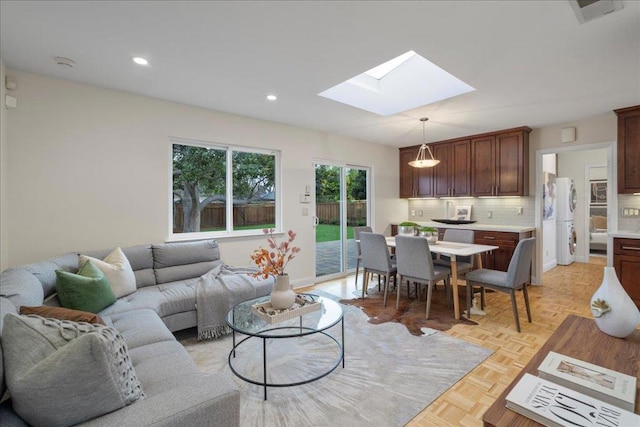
[{"x": 222, "y": 190}]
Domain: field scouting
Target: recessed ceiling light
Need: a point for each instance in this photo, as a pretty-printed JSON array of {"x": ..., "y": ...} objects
[
  {"x": 140, "y": 60},
  {"x": 271, "y": 97}
]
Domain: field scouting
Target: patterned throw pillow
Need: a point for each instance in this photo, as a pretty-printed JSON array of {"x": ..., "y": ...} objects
[
  {"x": 62, "y": 313},
  {"x": 62, "y": 373},
  {"x": 117, "y": 270},
  {"x": 88, "y": 290}
]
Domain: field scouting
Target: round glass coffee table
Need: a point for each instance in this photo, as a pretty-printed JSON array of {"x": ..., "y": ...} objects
[{"x": 242, "y": 320}]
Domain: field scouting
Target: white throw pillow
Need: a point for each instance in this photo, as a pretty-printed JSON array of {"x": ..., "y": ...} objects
[{"x": 116, "y": 269}]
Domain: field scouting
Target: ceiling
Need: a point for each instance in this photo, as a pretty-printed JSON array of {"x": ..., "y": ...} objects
[{"x": 531, "y": 62}]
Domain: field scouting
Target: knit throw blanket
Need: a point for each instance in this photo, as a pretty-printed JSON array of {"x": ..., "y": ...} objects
[{"x": 218, "y": 291}]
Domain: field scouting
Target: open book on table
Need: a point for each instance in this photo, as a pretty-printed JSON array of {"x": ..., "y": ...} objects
[
  {"x": 554, "y": 405},
  {"x": 596, "y": 381}
]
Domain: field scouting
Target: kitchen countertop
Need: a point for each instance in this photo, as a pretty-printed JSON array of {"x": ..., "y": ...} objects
[
  {"x": 625, "y": 234},
  {"x": 479, "y": 227}
]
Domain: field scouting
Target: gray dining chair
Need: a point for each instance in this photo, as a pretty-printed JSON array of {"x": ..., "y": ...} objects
[
  {"x": 356, "y": 233},
  {"x": 376, "y": 260},
  {"x": 515, "y": 278},
  {"x": 415, "y": 265},
  {"x": 459, "y": 236}
]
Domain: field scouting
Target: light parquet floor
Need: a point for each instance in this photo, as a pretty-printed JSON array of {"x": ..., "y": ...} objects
[{"x": 565, "y": 290}]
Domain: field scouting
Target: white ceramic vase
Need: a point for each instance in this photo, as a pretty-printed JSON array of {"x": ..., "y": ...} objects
[
  {"x": 282, "y": 296},
  {"x": 614, "y": 311}
]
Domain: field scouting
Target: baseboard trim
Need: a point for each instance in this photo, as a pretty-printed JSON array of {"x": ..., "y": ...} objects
[{"x": 548, "y": 266}]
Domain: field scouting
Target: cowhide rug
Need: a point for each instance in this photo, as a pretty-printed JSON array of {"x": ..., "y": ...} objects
[{"x": 411, "y": 312}]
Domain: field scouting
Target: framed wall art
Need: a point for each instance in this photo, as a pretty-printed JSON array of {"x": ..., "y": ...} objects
[
  {"x": 549, "y": 196},
  {"x": 463, "y": 213},
  {"x": 598, "y": 193}
]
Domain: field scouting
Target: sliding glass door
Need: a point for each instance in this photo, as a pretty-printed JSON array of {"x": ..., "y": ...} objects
[{"x": 341, "y": 203}]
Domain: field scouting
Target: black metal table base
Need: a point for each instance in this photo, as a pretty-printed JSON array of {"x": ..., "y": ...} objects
[{"x": 264, "y": 383}]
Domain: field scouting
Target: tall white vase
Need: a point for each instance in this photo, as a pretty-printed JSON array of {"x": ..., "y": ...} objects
[
  {"x": 613, "y": 309},
  {"x": 282, "y": 296}
]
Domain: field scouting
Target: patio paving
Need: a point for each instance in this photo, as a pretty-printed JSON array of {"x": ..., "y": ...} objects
[{"x": 328, "y": 257}]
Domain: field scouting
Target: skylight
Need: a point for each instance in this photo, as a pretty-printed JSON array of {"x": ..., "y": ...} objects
[
  {"x": 383, "y": 69},
  {"x": 405, "y": 82}
]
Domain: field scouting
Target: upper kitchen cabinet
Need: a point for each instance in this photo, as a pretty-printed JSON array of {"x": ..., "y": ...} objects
[
  {"x": 491, "y": 164},
  {"x": 628, "y": 149},
  {"x": 414, "y": 182},
  {"x": 484, "y": 165},
  {"x": 452, "y": 176},
  {"x": 500, "y": 164}
]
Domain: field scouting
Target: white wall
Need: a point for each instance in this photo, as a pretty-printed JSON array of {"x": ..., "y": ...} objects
[
  {"x": 89, "y": 169},
  {"x": 573, "y": 164},
  {"x": 598, "y": 172},
  {"x": 590, "y": 130},
  {"x": 4, "y": 238}
]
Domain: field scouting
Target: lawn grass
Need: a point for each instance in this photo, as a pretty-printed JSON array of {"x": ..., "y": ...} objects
[
  {"x": 324, "y": 232},
  {"x": 242, "y": 227},
  {"x": 328, "y": 233}
]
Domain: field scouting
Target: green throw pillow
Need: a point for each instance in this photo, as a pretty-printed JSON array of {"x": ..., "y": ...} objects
[{"x": 88, "y": 290}]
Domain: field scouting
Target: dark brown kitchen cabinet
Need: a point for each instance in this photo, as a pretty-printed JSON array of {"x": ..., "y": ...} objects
[
  {"x": 483, "y": 172},
  {"x": 500, "y": 258},
  {"x": 626, "y": 261},
  {"x": 491, "y": 164},
  {"x": 500, "y": 165},
  {"x": 414, "y": 182},
  {"x": 628, "y": 149},
  {"x": 423, "y": 181},
  {"x": 406, "y": 172},
  {"x": 451, "y": 176}
]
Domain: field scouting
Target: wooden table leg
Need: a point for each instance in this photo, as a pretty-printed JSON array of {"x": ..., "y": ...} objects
[
  {"x": 454, "y": 284},
  {"x": 478, "y": 261}
]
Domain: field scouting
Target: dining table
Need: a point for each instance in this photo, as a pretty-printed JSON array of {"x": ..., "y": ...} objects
[{"x": 453, "y": 250}]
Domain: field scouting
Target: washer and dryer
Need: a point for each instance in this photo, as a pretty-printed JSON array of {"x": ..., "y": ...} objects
[{"x": 567, "y": 200}]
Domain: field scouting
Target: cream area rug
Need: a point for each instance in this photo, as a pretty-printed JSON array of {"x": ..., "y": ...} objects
[{"x": 388, "y": 378}]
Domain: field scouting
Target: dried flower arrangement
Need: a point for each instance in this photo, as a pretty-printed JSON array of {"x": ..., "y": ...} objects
[{"x": 273, "y": 261}]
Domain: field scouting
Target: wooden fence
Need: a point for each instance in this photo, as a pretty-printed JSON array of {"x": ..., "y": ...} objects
[
  {"x": 329, "y": 213},
  {"x": 213, "y": 216}
]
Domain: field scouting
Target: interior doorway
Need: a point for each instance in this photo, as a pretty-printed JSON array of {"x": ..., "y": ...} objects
[
  {"x": 582, "y": 220},
  {"x": 597, "y": 209}
]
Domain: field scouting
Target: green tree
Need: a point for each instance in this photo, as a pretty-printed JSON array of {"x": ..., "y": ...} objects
[
  {"x": 197, "y": 172},
  {"x": 356, "y": 184},
  {"x": 253, "y": 175},
  {"x": 327, "y": 183},
  {"x": 253, "y": 179},
  {"x": 199, "y": 177}
]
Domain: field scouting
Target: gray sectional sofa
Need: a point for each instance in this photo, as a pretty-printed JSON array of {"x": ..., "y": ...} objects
[{"x": 176, "y": 392}]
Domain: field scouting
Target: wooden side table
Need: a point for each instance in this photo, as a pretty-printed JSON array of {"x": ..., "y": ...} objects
[{"x": 580, "y": 338}]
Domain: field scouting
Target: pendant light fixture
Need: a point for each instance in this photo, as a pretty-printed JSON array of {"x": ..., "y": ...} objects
[{"x": 422, "y": 161}]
